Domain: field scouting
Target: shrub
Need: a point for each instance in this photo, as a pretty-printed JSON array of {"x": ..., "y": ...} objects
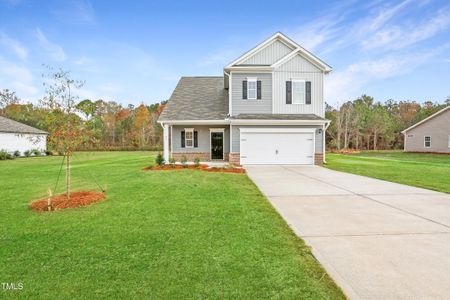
[
  {"x": 159, "y": 160},
  {"x": 27, "y": 153},
  {"x": 184, "y": 161},
  {"x": 36, "y": 152},
  {"x": 48, "y": 152},
  {"x": 172, "y": 162},
  {"x": 3, "y": 155},
  {"x": 197, "y": 162},
  {"x": 16, "y": 153}
]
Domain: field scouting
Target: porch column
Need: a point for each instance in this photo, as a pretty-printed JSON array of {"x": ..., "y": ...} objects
[{"x": 166, "y": 142}]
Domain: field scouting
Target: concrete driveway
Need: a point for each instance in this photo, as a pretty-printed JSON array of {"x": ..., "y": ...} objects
[{"x": 378, "y": 240}]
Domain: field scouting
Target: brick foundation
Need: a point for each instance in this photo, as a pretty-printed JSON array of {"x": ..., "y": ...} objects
[
  {"x": 204, "y": 156},
  {"x": 318, "y": 159},
  {"x": 235, "y": 158},
  {"x": 191, "y": 156}
]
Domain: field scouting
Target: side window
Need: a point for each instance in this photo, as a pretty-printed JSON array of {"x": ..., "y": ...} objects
[
  {"x": 251, "y": 88},
  {"x": 189, "y": 137},
  {"x": 427, "y": 142}
]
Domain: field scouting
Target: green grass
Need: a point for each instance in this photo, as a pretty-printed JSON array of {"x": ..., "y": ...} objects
[
  {"x": 160, "y": 234},
  {"x": 431, "y": 171}
]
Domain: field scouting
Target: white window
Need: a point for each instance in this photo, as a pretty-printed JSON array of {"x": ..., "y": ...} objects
[
  {"x": 427, "y": 142},
  {"x": 251, "y": 88},
  {"x": 298, "y": 91},
  {"x": 189, "y": 137}
]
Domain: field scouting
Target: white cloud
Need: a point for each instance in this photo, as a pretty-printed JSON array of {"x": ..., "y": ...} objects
[
  {"x": 14, "y": 45},
  {"x": 53, "y": 50},
  {"x": 396, "y": 37},
  {"x": 18, "y": 79},
  {"x": 347, "y": 83}
]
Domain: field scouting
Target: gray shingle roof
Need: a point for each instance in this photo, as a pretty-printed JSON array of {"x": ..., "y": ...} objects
[
  {"x": 308, "y": 117},
  {"x": 8, "y": 125},
  {"x": 197, "y": 98}
]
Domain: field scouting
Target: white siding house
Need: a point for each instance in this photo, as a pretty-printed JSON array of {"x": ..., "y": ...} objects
[{"x": 15, "y": 136}]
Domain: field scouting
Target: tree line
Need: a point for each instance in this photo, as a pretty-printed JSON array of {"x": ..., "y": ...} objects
[
  {"x": 95, "y": 124},
  {"x": 364, "y": 124}
]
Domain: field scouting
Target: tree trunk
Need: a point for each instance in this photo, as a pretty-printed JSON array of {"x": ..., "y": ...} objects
[
  {"x": 357, "y": 141},
  {"x": 368, "y": 142},
  {"x": 375, "y": 137},
  {"x": 68, "y": 175}
]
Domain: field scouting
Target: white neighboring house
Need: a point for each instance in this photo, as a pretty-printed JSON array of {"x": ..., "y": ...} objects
[{"x": 15, "y": 136}]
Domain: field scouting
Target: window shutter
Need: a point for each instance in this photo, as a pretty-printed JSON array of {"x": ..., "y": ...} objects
[
  {"x": 308, "y": 92},
  {"x": 244, "y": 89},
  {"x": 258, "y": 89},
  {"x": 182, "y": 139},
  {"x": 195, "y": 139},
  {"x": 288, "y": 92}
]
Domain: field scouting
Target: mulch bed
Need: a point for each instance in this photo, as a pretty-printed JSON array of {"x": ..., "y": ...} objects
[
  {"x": 201, "y": 167},
  {"x": 77, "y": 199}
]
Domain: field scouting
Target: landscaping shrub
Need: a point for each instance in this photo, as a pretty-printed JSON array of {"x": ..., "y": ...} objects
[
  {"x": 172, "y": 162},
  {"x": 3, "y": 155},
  {"x": 27, "y": 153},
  {"x": 36, "y": 152},
  {"x": 48, "y": 152},
  {"x": 16, "y": 153},
  {"x": 197, "y": 162},
  {"x": 159, "y": 160},
  {"x": 184, "y": 161}
]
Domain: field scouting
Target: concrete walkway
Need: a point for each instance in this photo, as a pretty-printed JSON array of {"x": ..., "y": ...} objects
[{"x": 378, "y": 240}]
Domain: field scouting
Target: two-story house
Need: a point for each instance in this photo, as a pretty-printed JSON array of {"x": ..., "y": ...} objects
[{"x": 268, "y": 108}]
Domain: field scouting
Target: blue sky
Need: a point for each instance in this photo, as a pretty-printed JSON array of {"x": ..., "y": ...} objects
[{"x": 135, "y": 51}]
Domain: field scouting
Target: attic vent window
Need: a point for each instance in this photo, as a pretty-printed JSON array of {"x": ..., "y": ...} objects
[{"x": 251, "y": 88}]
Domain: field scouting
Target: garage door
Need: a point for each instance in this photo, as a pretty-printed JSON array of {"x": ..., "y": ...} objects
[{"x": 277, "y": 148}]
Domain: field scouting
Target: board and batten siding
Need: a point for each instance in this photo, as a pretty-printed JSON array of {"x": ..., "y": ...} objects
[
  {"x": 438, "y": 128},
  {"x": 269, "y": 55},
  {"x": 203, "y": 138},
  {"x": 236, "y": 141},
  {"x": 248, "y": 106},
  {"x": 298, "y": 68}
]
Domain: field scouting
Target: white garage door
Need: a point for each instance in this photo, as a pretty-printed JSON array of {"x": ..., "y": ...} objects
[{"x": 277, "y": 147}]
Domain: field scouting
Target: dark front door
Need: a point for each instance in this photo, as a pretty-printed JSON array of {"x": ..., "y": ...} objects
[{"x": 216, "y": 145}]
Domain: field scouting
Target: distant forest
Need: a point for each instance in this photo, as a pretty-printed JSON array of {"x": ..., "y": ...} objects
[
  {"x": 106, "y": 125},
  {"x": 358, "y": 124},
  {"x": 364, "y": 124}
]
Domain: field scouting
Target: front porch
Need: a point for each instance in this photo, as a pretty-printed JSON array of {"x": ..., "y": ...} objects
[{"x": 208, "y": 143}]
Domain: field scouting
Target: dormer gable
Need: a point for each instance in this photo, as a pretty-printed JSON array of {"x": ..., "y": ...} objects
[{"x": 273, "y": 52}]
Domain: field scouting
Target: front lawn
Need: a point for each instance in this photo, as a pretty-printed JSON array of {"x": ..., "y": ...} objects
[
  {"x": 431, "y": 171},
  {"x": 160, "y": 234}
]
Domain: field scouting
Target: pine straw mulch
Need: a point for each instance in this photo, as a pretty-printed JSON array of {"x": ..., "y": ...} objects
[
  {"x": 201, "y": 167},
  {"x": 77, "y": 199}
]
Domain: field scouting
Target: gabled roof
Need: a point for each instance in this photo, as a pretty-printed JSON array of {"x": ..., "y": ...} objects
[
  {"x": 11, "y": 126},
  {"x": 427, "y": 119},
  {"x": 297, "y": 50},
  {"x": 197, "y": 98}
]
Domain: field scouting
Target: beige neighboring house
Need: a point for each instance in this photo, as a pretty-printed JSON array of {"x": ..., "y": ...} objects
[{"x": 430, "y": 135}]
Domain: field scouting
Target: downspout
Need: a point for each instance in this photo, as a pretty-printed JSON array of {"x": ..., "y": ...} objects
[{"x": 325, "y": 127}]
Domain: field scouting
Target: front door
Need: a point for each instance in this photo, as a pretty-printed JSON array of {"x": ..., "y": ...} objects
[{"x": 216, "y": 145}]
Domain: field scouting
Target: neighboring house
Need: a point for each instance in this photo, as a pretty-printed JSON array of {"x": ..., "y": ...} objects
[
  {"x": 15, "y": 136},
  {"x": 430, "y": 135},
  {"x": 268, "y": 108}
]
